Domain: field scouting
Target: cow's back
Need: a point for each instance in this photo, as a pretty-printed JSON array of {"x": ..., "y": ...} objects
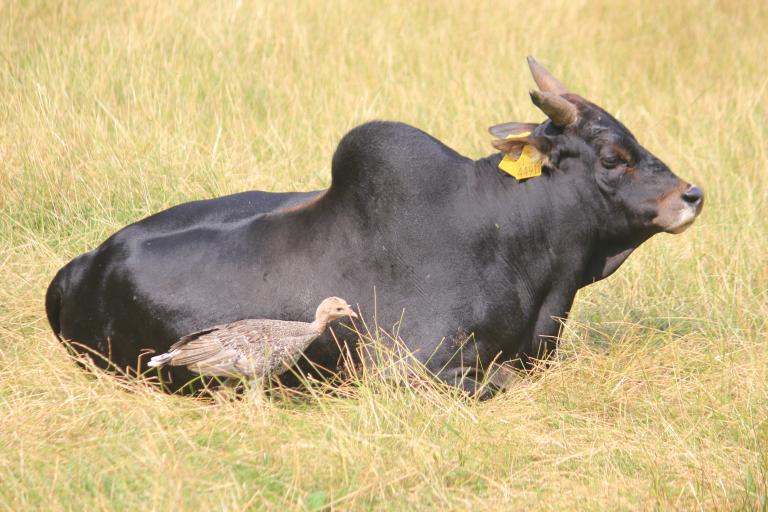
[{"x": 78, "y": 291}]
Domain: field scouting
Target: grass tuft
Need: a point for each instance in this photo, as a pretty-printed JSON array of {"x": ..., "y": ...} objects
[{"x": 657, "y": 398}]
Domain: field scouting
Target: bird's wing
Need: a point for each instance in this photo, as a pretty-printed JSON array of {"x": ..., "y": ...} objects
[
  {"x": 267, "y": 346},
  {"x": 248, "y": 347},
  {"x": 194, "y": 335},
  {"x": 205, "y": 348}
]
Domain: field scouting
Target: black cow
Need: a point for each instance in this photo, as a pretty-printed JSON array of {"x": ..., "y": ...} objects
[{"x": 476, "y": 262}]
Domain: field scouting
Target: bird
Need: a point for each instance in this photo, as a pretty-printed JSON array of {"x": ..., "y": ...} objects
[{"x": 251, "y": 349}]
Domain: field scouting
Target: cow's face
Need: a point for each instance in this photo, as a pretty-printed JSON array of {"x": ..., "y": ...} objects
[
  {"x": 638, "y": 188},
  {"x": 581, "y": 139}
]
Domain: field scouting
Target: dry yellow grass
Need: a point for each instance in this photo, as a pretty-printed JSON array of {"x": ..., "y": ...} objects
[{"x": 110, "y": 111}]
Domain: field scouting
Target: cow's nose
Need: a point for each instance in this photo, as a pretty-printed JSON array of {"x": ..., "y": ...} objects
[{"x": 694, "y": 196}]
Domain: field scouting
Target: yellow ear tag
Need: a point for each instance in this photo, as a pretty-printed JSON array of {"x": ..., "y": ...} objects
[{"x": 528, "y": 165}]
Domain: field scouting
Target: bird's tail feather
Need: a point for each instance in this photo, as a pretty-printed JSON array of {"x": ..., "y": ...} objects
[{"x": 161, "y": 360}]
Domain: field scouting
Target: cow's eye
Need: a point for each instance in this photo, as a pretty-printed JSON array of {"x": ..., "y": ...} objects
[{"x": 609, "y": 162}]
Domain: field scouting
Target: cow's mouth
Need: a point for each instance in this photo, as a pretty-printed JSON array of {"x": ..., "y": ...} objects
[{"x": 685, "y": 218}]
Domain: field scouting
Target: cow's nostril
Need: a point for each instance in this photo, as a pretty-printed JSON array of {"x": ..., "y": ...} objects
[{"x": 694, "y": 196}]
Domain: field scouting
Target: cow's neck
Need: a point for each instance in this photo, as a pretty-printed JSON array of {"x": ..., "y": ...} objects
[{"x": 561, "y": 216}]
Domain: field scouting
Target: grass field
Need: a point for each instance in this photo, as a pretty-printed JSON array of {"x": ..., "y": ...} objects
[{"x": 658, "y": 399}]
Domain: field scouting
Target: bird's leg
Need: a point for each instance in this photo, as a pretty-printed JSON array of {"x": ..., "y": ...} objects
[
  {"x": 226, "y": 389},
  {"x": 255, "y": 389},
  {"x": 230, "y": 382}
]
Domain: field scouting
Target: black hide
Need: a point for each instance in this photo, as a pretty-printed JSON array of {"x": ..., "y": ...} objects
[{"x": 469, "y": 257}]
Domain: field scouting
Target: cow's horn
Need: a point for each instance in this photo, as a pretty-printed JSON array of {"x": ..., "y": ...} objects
[
  {"x": 561, "y": 111},
  {"x": 544, "y": 78}
]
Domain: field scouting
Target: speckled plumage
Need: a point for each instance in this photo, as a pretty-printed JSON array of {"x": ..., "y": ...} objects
[
  {"x": 248, "y": 348},
  {"x": 251, "y": 348}
]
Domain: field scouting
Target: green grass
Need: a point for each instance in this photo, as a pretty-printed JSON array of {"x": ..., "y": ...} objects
[{"x": 658, "y": 398}]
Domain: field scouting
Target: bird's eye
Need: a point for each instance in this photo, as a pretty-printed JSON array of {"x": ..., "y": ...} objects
[{"x": 338, "y": 309}]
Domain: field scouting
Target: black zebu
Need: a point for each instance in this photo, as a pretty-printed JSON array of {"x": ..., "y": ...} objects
[{"x": 467, "y": 251}]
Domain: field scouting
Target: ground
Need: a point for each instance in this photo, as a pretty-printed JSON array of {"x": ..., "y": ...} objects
[{"x": 658, "y": 397}]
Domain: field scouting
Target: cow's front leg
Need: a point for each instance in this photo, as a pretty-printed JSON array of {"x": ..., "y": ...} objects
[
  {"x": 470, "y": 380},
  {"x": 554, "y": 311}
]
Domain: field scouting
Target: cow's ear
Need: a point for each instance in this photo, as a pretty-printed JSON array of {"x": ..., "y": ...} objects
[
  {"x": 504, "y": 130},
  {"x": 514, "y": 146}
]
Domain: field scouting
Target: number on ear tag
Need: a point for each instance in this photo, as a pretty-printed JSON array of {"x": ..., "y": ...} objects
[{"x": 527, "y": 165}]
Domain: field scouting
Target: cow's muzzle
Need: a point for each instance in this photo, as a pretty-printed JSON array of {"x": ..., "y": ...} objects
[
  {"x": 677, "y": 212},
  {"x": 685, "y": 211}
]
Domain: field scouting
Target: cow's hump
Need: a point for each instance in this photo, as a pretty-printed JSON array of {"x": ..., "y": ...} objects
[{"x": 385, "y": 156}]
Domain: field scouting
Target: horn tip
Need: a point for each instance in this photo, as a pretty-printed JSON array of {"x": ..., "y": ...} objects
[{"x": 544, "y": 79}]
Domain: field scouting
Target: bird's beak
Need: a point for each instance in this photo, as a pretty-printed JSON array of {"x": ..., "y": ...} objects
[{"x": 352, "y": 313}]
